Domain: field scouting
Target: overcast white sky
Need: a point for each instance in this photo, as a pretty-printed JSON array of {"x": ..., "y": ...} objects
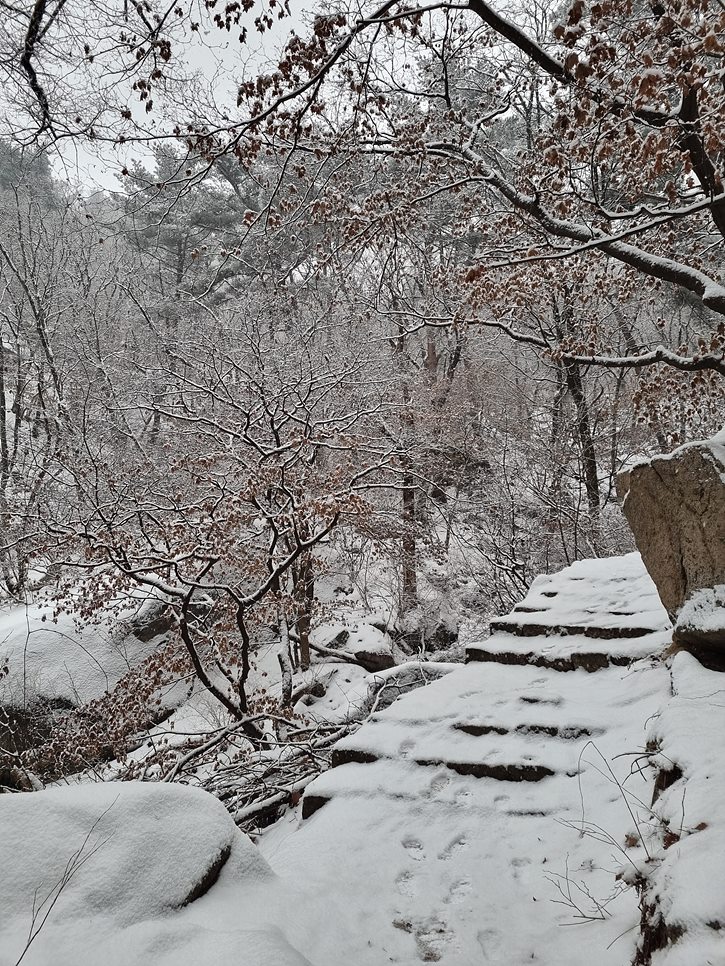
[{"x": 219, "y": 59}]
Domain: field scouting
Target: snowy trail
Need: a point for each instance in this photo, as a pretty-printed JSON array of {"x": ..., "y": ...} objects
[
  {"x": 481, "y": 819},
  {"x": 476, "y": 820}
]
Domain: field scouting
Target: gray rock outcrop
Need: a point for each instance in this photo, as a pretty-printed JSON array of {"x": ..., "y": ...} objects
[{"x": 675, "y": 505}]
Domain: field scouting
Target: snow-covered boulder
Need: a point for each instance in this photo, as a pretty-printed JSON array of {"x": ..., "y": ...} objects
[
  {"x": 430, "y": 626},
  {"x": 675, "y": 506},
  {"x": 366, "y": 639},
  {"x": 133, "y": 873},
  {"x": 702, "y": 620},
  {"x": 58, "y": 659},
  {"x": 152, "y": 618}
]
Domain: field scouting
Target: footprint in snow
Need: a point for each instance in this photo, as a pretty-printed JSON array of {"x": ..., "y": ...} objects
[
  {"x": 431, "y": 939},
  {"x": 459, "y": 891},
  {"x": 456, "y": 845},
  {"x": 517, "y": 864},
  {"x": 489, "y": 940},
  {"x": 439, "y": 783},
  {"x": 462, "y": 796},
  {"x": 414, "y": 848},
  {"x": 405, "y": 884}
]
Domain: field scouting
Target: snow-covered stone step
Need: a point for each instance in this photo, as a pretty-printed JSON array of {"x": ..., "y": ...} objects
[
  {"x": 611, "y": 595},
  {"x": 512, "y": 756},
  {"x": 509, "y": 696},
  {"x": 534, "y": 624},
  {"x": 565, "y": 651},
  {"x": 415, "y": 782}
]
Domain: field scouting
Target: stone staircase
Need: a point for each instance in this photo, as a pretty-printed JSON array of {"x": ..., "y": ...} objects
[
  {"x": 572, "y": 613},
  {"x": 517, "y": 770},
  {"x": 521, "y": 719}
]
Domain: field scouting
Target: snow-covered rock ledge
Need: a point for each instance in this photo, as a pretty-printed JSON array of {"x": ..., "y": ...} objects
[{"x": 683, "y": 891}]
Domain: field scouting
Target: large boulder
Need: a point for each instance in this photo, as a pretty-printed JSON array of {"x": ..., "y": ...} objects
[
  {"x": 129, "y": 874},
  {"x": 365, "y": 638},
  {"x": 675, "y": 505},
  {"x": 55, "y": 657}
]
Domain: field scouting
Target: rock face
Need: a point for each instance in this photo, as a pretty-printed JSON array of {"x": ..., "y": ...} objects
[{"x": 675, "y": 506}]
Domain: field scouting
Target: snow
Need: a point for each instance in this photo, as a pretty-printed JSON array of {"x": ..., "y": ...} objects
[
  {"x": 704, "y": 612},
  {"x": 446, "y": 866},
  {"x": 59, "y": 659},
  {"x": 688, "y": 880},
  {"x": 131, "y": 855},
  {"x": 717, "y": 445}
]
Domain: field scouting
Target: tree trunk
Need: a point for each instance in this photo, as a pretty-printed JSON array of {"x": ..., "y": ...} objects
[
  {"x": 285, "y": 661},
  {"x": 11, "y": 583},
  {"x": 305, "y": 593},
  {"x": 562, "y": 316},
  {"x": 409, "y": 591},
  {"x": 586, "y": 443},
  {"x": 557, "y": 431}
]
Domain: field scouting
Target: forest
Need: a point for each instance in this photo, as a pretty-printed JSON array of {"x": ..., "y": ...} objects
[{"x": 323, "y": 333}]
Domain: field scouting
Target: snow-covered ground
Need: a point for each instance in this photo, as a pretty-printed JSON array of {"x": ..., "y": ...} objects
[
  {"x": 499, "y": 815},
  {"x": 686, "y": 884}
]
